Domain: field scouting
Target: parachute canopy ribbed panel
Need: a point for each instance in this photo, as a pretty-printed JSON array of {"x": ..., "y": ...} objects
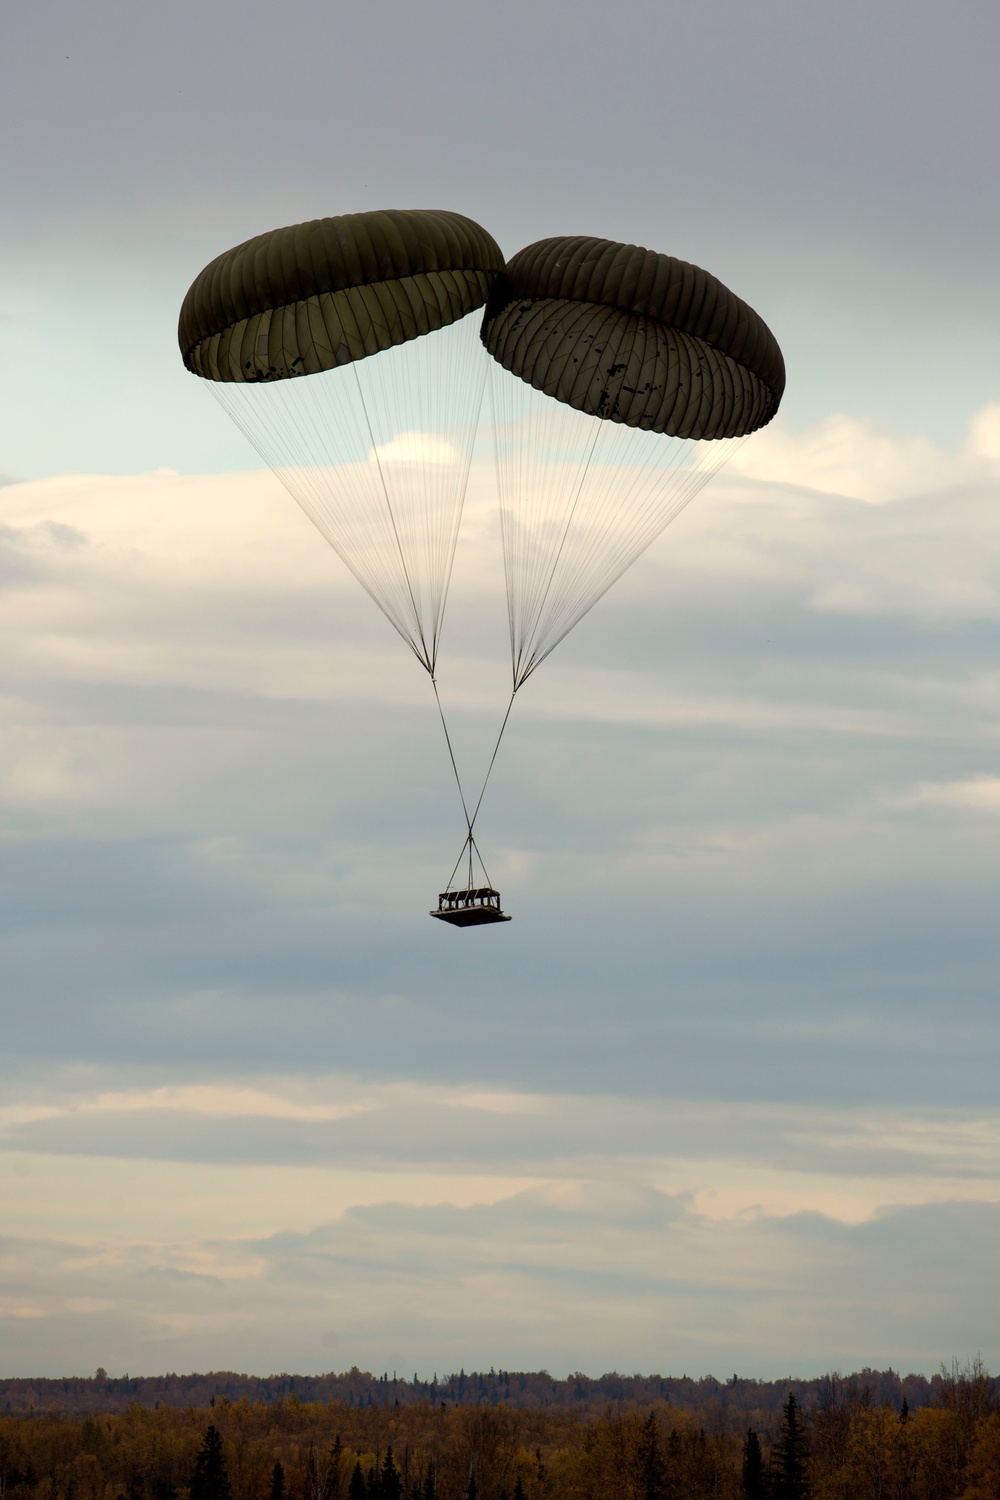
[
  {"x": 313, "y": 296},
  {"x": 633, "y": 336},
  {"x": 375, "y": 443},
  {"x": 623, "y": 381}
]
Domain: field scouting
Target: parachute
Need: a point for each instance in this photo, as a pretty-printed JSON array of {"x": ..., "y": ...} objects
[
  {"x": 620, "y": 381},
  {"x": 635, "y": 376},
  {"x": 623, "y": 379},
  {"x": 375, "y": 443}
]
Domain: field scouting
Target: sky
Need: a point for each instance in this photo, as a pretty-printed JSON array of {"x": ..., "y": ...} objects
[{"x": 722, "y": 1096}]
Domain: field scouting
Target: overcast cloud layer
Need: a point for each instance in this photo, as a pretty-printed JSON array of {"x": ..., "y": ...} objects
[{"x": 723, "y": 1095}]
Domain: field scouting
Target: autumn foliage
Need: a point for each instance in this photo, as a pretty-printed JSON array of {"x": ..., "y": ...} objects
[{"x": 844, "y": 1442}]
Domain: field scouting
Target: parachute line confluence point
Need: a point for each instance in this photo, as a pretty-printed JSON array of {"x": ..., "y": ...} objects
[
  {"x": 467, "y": 849},
  {"x": 379, "y": 459}
]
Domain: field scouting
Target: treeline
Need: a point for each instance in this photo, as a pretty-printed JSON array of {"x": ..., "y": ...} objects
[
  {"x": 846, "y": 1442},
  {"x": 742, "y": 1400}
]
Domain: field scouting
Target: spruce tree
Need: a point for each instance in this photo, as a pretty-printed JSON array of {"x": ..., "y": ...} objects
[
  {"x": 651, "y": 1475},
  {"x": 390, "y": 1485},
  {"x": 277, "y": 1483},
  {"x": 673, "y": 1475},
  {"x": 753, "y": 1467},
  {"x": 356, "y": 1489},
  {"x": 313, "y": 1488},
  {"x": 210, "y": 1480},
  {"x": 430, "y": 1486},
  {"x": 789, "y": 1474}
]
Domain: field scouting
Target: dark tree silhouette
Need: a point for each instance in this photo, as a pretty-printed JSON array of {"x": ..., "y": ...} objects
[
  {"x": 753, "y": 1467},
  {"x": 334, "y": 1479},
  {"x": 210, "y": 1480},
  {"x": 277, "y": 1483},
  {"x": 789, "y": 1473},
  {"x": 390, "y": 1485},
  {"x": 357, "y": 1490},
  {"x": 651, "y": 1470},
  {"x": 673, "y": 1479}
]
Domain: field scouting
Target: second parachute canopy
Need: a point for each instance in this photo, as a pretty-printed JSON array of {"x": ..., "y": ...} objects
[{"x": 623, "y": 380}]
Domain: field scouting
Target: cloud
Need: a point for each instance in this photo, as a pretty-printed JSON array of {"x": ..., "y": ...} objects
[
  {"x": 984, "y": 431},
  {"x": 416, "y": 448},
  {"x": 978, "y": 794},
  {"x": 851, "y": 457},
  {"x": 730, "y": 1157},
  {"x": 734, "y": 1058},
  {"x": 592, "y": 1279}
]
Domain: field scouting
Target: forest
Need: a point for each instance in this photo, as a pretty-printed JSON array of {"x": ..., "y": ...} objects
[
  {"x": 853, "y": 1438},
  {"x": 743, "y": 1398}
]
